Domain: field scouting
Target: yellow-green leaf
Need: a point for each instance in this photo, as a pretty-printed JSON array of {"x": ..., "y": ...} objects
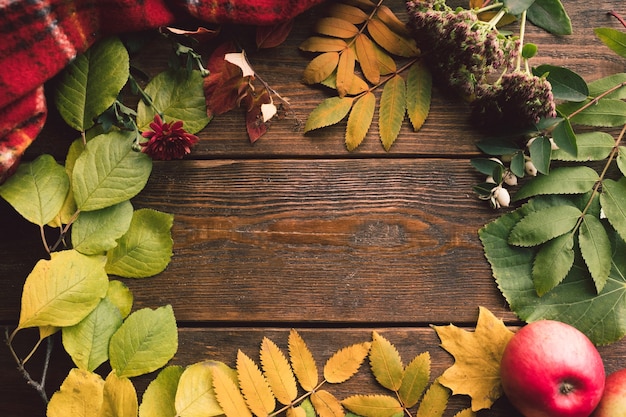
[
  {"x": 373, "y": 405},
  {"x": 323, "y": 44},
  {"x": 228, "y": 395},
  {"x": 296, "y": 412},
  {"x": 278, "y": 372},
  {"x": 358, "y": 85},
  {"x": 347, "y": 12},
  {"x": 360, "y": 120},
  {"x": 386, "y": 64},
  {"x": 468, "y": 412},
  {"x": 63, "y": 290},
  {"x": 392, "y": 110},
  {"x": 368, "y": 58},
  {"x": 386, "y": 16},
  {"x": 326, "y": 405},
  {"x": 80, "y": 395},
  {"x": 416, "y": 377},
  {"x": 159, "y": 398},
  {"x": 345, "y": 363},
  {"x": 119, "y": 294},
  {"x": 254, "y": 386},
  {"x": 418, "y": 94},
  {"x": 302, "y": 361},
  {"x": 338, "y": 28},
  {"x": 386, "y": 363},
  {"x": 391, "y": 41},
  {"x": 195, "y": 396},
  {"x": 120, "y": 397},
  {"x": 320, "y": 67},
  {"x": 328, "y": 112},
  {"x": 345, "y": 71},
  {"x": 477, "y": 355},
  {"x": 434, "y": 402}
]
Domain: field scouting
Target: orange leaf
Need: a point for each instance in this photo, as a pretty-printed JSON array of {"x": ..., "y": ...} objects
[
  {"x": 339, "y": 28},
  {"x": 254, "y": 386},
  {"x": 278, "y": 372},
  {"x": 326, "y": 404},
  {"x": 302, "y": 361},
  {"x": 360, "y": 120},
  {"x": 368, "y": 60},
  {"x": 345, "y": 71},
  {"x": 320, "y": 67},
  {"x": 323, "y": 44},
  {"x": 345, "y": 363},
  {"x": 228, "y": 395},
  {"x": 391, "y": 41},
  {"x": 348, "y": 13},
  {"x": 386, "y": 16}
]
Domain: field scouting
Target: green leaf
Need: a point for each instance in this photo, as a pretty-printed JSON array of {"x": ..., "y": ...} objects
[
  {"x": 120, "y": 296},
  {"x": 613, "y": 38},
  {"x": 595, "y": 248},
  {"x": 565, "y": 180},
  {"x": 146, "y": 341},
  {"x": 360, "y": 120},
  {"x": 158, "y": 399},
  {"x": 551, "y": 16},
  {"x": 91, "y": 83},
  {"x": 416, "y": 377},
  {"x": 37, "y": 190},
  {"x": 517, "y": 7},
  {"x": 195, "y": 396},
  {"x": 553, "y": 262},
  {"x": 120, "y": 397},
  {"x": 542, "y": 225},
  {"x": 418, "y": 94},
  {"x": 485, "y": 166},
  {"x": 613, "y": 81},
  {"x": 80, "y": 395},
  {"x": 498, "y": 146},
  {"x": 565, "y": 138},
  {"x": 518, "y": 164},
  {"x": 392, "y": 110},
  {"x": 328, "y": 112},
  {"x": 613, "y": 202},
  {"x": 64, "y": 290},
  {"x": 95, "y": 232},
  {"x": 605, "y": 113},
  {"x": 178, "y": 95},
  {"x": 602, "y": 317},
  {"x": 566, "y": 84},
  {"x": 621, "y": 159},
  {"x": 373, "y": 405},
  {"x": 109, "y": 171},
  {"x": 87, "y": 342},
  {"x": 591, "y": 146},
  {"x": 540, "y": 153},
  {"x": 146, "y": 248}
]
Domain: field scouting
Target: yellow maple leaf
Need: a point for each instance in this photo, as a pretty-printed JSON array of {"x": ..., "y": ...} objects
[{"x": 477, "y": 355}]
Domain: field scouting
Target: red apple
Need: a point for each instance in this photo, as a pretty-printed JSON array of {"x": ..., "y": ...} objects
[
  {"x": 551, "y": 369},
  {"x": 613, "y": 402}
]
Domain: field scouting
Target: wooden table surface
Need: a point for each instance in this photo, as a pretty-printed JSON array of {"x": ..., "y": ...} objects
[{"x": 296, "y": 232}]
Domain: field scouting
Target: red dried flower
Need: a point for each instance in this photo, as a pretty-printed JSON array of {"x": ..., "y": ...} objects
[{"x": 167, "y": 141}]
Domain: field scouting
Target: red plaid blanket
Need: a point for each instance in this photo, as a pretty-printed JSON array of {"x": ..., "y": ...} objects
[{"x": 38, "y": 38}]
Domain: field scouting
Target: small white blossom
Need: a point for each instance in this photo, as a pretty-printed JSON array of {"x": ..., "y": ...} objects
[{"x": 530, "y": 168}]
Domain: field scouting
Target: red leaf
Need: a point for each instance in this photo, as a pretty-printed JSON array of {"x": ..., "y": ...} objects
[
  {"x": 225, "y": 86},
  {"x": 254, "y": 118},
  {"x": 272, "y": 36}
]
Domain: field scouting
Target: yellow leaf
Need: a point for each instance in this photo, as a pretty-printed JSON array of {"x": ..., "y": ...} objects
[
  {"x": 386, "y": 363},
  {"x": 347, "y": 12},
  {"x": 278, "y": 372},
  {"x": 392, "y": 110},
  {"x": 434, "y": 402},
  {"x": 320, "y": 67},
  {"x": 360, "y": 120},
  {"x": 386, "y": 16},
  {"x": 468, "y": 412},
  {"x": 330, "y": 111},
  {"x": 120, "y": 397},
  {"x": 228, "y": 395},
  {"x": 386, "y": 64},
  {"x": 326, "y": 404},
  {"x": 296, "y": 412},
  {"x": 391, "y": 41},
  {"x": 323, "y": 44},
  {"x": 195, "y": 396},
  {"x": 254, "y": 386},
  {"x": 418, "y": 94},
  {"x": 345, "y": 71},
  {"x": 368, "y": 59},
  {"x": 345, "y": 363},
  {"x": 338, "y": 28},
  {"x": 80, "y": 395},
  {"x": 477, "y": 355},
  {"x": 302, "y": 361},
  {"x": 369, "y": 405},
  {"x": 416, "y": 377},
  {"x": 159, "y": 398},
  {"x": 358, "y": 86},
  {"x": 45, "y": 331}
]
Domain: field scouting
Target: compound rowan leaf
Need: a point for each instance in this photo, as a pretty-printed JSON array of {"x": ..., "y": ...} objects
[
  {"x": 119, "y": 397},
  {"x": 302, "y": 361},
  {"x": 278, "y": 372},
  {"x": 228, "y": 395},
  {"x": 347, "y": 12},
  {"x": 345, "y": 363},
  {"x": 565, "y": 180},
  {"x": 390, "y": 41},
  {"x": 345, "y": 71},
  {"x": 368, "y": 59},
  {"x": 477, "y": 355},
  {"x": 338, "y": 28},
  {"x": 373, "y": 405},
  {"x": 386, "y": 363},
  {"x": 595, "y": 247},
  {"x": 254, "y": 386},
  {"x": 360, "y": 120},
  {"x": 541, "y": 226},
  {"x": 328, "y": 112},
  {"x": 553, "y": 262},
  {"x": 326, "y": 405},
  {"x": 80, "y": 395},
  {"x": 320, "y": 67},
  {"x": 392, "y": 110},
  {"x": 418, "y": 94},
  {"x": 415, "y": 380},
  {"x": 323, "y": 44}
]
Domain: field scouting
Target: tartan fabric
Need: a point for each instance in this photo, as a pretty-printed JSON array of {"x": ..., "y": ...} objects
[{"x": 38, "y": 38}]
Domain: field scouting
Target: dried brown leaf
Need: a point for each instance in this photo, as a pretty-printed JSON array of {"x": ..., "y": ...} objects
[
  {"x": 388, "y": 17},
  {"x": 323, "y": 44},
  {"x": 339, "y": 28},
  {"x": 345, "y": 363},
  {"x": 228, "y": 395},
  {"x": 345, "y": 71},
  {"x": 254, "y": 386},
  {"x": 320, "y": 68},
  {"x": 368, "y": 59},
  {"x": 476, "y": 4},
  {"x": 360, "y": 120},
  {"x": 347, "y": 12},
  {"x": 302, "y": 361},
  {"x": 391, "y": 41},
  {"x": 278, "y": 372},
  {"x": 326, "y": 404},
  {"x": 386, "y": 363}
]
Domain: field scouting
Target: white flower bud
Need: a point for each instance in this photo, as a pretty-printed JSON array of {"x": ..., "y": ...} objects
[
  {"x": 510, "y": 178},
  {"x": 530, "y": 168},
  {"x": 502, "y": 196},
  {"x": 490, "y": 180}
]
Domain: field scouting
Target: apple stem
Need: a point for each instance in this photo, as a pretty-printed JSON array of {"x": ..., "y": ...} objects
[{"x": 566, "y": 387}]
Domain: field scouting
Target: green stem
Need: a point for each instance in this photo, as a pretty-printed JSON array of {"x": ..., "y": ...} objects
[
  {"x": 522, "y": 31},
  {"x": 489, "y": 7}
]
